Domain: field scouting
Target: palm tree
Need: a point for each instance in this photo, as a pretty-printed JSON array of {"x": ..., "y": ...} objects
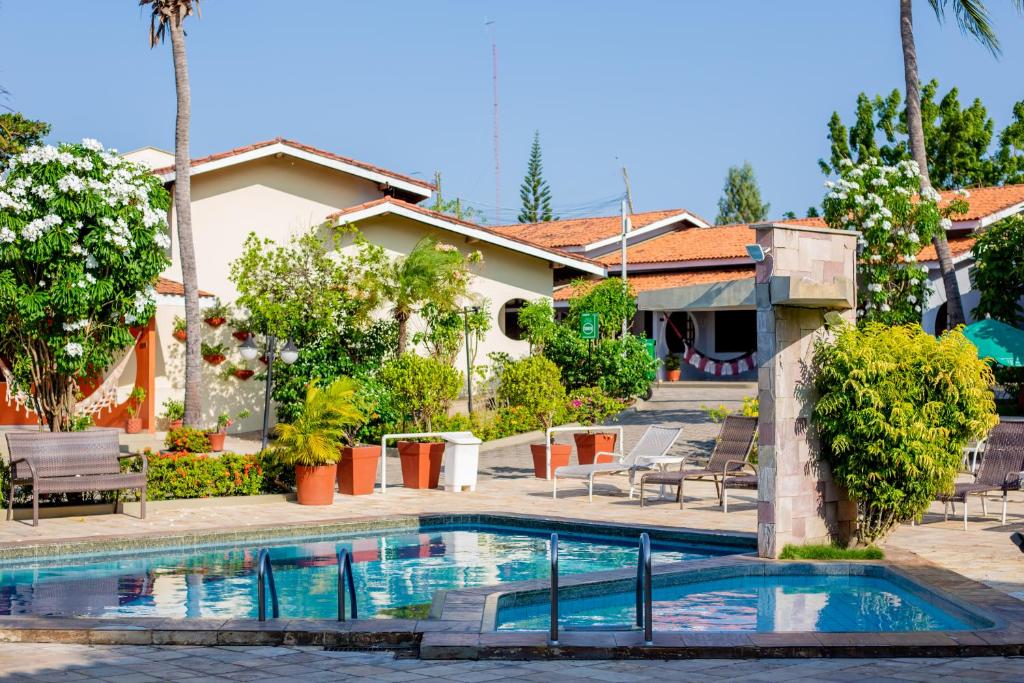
[
  {"x": 972, "y": 18},
  {"x": 167, "y": 16}
]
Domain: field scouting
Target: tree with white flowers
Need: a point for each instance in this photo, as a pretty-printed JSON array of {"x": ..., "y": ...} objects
[
  {"x": 83, "y": 237},
  {"x": 882, "y": 202}
]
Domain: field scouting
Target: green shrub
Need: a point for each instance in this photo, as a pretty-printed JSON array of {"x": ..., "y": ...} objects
[
  {"x": 328, "y": 418},
  {"x": 533, "y": 384},
  {"x": 611, "y": 299},
  {"x": 537, "y": 320},
  {"x": 830, "y": 552},
  {"x": 421, "y": 388},
  {"x": 620, "y": 367},
  {"x": 896, "y": 408},
  {"x": 173, "y": 410},
  {"x": 590, "y": 406},
  {"x": 187, "y": 440},
  {"x": 187, "y": 475}
]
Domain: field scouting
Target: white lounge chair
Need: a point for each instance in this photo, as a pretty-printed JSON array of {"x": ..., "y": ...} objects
[{"x": 654, "y": 443}]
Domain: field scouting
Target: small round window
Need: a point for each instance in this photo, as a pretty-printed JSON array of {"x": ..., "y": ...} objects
[{"x": 508, "y": 319}]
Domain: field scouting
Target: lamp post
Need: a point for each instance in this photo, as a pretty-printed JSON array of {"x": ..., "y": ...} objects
[
  {"x": 469, "y": 361},
  {"x": 289, "y": 354}
]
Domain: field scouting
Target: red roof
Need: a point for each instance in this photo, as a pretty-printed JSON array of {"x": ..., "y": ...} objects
[
  {"x": 305, "y": 148},
  {"x": 646, "y": 282},
  {"x": 577, "y": 232},
  {"x": 986, "y": 201},
  {"x": 393, "y": 201},
  {"x": 958, "y": 244},
  {"x": 173, "y": 288}
]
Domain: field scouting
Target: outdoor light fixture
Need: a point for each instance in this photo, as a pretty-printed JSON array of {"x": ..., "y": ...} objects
[
  {"x": 757, "y": 253},
  {"x": 290, "y": 352},
  {"x": 248, "y": 349}
]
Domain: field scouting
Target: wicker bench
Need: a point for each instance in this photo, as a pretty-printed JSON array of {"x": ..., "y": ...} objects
[{"x": 71, "y": 462}]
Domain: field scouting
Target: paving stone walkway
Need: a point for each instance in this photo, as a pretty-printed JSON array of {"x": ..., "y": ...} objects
[{"x": 47, "y": 663}]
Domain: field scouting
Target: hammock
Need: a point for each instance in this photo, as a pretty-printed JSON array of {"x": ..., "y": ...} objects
[{"x": 103, "y": 398}]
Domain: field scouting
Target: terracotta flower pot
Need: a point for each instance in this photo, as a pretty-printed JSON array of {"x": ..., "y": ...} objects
[
  {"x": 240, "y": 335},
  {"x": 216, "y": 441},
  {"x": 215, "y": 358},
  {"x": 215, "y": 321},
  {"x": 357, "y": 471},
  {"x": 315, "y": 484},
  {"x": 421, "y": 464},
  {"x": 242, "y": 373},
  {"x": 133, "y": 425},
  {"x": 560, "y": 453},
  {"x": 175, "y": 424},
  {"x": 588, "y": 445},
  {"x": 180, "y": 335},
  {"x": 673, "y": 375}
]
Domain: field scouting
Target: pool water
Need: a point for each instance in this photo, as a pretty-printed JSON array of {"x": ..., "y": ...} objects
[
  {"x": 393, "y": 569},
  {"x": 802, "y": 602}
]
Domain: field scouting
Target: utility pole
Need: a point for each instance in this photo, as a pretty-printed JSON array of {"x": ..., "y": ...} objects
[
  {"x": 629, "y": 193},
  {"x": 625, "y": 234}
]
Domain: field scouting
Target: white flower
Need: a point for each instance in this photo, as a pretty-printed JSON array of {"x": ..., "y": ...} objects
[
  {"x": 163, "y": 240},
  {"x": 875, "y": 258},
  {"x": 912, "y": 299},
  {"x": 74, "y": 349},
  {"x": 445, "y": 247},
  {"x": 880, "y": 182},
  {"x": 35, "y": 229},
  {"x": 946, "y": 224},
  {"x": 94, "y": 145},
  {"x": 884, "y": 308},
  {"x": 71, "y": 183},
  {"x": 917, "y": 308},
  {"x": 875, "y": 287},
  {"x": 829, "y": 184},
  {"x": 845, "y": 162},
  {"x": 44, "y": 192},
  {"x": 929, "y": 194},
  {"x": 77, "y": 250},
  {"x": 913, "y": 237},
  {"x": 91, "y": 262},
  {"x": 910, "y": 258},
  {"x": 75, "y": 326},
  {"x": 7, "y": 235}
]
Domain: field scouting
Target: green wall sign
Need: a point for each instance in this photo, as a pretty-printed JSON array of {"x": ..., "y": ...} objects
[{"x": 588, "y": 326}]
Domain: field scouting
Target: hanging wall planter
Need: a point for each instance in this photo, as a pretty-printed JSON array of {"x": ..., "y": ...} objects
[
  {"x": 241, "y": 335},
  {"x": 243, "y": 373}
]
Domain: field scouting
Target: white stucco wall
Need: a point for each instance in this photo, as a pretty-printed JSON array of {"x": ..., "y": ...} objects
[{"x": 968, "y": 295}]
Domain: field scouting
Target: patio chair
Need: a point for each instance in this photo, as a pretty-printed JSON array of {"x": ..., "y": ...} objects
[
  {"x": 742, "y": 480},
  {"x": 999, "y": 470},
  {"x": 654, "y": 443},
  {"x": 728, "y": 457}
]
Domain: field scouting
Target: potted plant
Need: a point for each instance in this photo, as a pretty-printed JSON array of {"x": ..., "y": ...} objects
[
  {"x": 174, "y": 413},
  {"x": 535, "y": 385},
  {"x": 590, "y": 406},
  {"x": 422, "y": 388},
  {"x": 216, "y": 314},
  {"x": 134, "y": 423},
  {"x": 239, "y": 371},
  {"x": 240, "y": 328},
  {"x": 213, "y": 353},
  {"x": 220, "y": 432},
  {"x": 672, "y": 371},
  {"x": 179, "y": 329},
  {"x": 313, "y": 442}
]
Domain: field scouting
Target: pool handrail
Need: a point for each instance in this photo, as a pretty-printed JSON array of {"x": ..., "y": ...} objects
[
  {"x": 553, "y": 639},
  {"x": 345, "y": 569},
  {"x": 265, "y": 576},
  {"x": 644, "y": 599}
]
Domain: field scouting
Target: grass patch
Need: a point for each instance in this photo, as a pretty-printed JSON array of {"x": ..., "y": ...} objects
[
  {"x": 830, "y": 552},
  {"x": 421, "y": 611}
]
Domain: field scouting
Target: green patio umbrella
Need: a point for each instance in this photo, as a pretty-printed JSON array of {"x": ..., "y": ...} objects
[{"x": 1001, "y": 342}]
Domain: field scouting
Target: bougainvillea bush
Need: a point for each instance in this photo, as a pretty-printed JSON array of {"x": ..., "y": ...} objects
[
  {"x": 83, "y": 237},
  {"x": 882, "y": 202},
  {"x": 896, "y": 408}
]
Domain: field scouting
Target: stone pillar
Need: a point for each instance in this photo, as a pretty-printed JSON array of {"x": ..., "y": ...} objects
[{"x": 807, "y": 272}]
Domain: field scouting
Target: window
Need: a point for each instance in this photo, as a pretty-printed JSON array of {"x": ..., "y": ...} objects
[
  {"x": 735, "y": 331},
  {"x": 508, "y": 319},
  {"x": 680, "y": 331}
]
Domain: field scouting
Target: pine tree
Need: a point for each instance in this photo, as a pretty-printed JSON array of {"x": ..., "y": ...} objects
[
  {"x": 741, "y": 198},
  {"x": 534, "y": 192}
]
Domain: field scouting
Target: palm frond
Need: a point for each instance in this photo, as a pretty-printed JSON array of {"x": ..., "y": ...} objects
[
  {"x": 972, "y": 17},
  {"x": 163, "y": 12}
]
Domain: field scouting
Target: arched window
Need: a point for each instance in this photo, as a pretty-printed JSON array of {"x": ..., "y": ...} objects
[
  {"x": 680, "y": 331},
  {"x": 508, "y": 319}
]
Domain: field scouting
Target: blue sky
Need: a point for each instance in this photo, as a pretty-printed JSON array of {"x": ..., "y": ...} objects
[{"x": 676, "y": 91}]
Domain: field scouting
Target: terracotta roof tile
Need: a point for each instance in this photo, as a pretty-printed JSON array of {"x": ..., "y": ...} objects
[
  {"x": 985, "y": 201},
  {"x": 452, "y": 219},
  {"x": 646, "y": 282},
  {"x": 173, "y": 288},
  {"x": 958, "y": 244},
  {"x": 577, "y": 232},
  {"x": 305, "y": 148}
]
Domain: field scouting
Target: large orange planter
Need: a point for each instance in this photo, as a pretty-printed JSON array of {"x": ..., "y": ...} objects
[
  {"x": 589, "y": 445},
  {"x": 315, "y": 484},
  {"x": 560, "y": 453},
  {"x": 421, "y": 463},
  {"x": 357, "y": 471}
]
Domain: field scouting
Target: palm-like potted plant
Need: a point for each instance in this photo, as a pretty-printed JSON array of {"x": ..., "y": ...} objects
[
  {"x": 179, "y": 332},
  {"x": 133, "y": 425},
  {"x": 313, "y": 442},
  {"x": 672, "y": 371},
  {"x": 213, "y": 353},
  {"x": 534, "y": 384},
  {"x": 174, "y": 413},
  {"x": 216, "y": 314}
]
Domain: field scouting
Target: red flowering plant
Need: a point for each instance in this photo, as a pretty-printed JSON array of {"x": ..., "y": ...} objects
[
  {"x": 187, "y": 475},
  {"x": 187, "y": 440}
]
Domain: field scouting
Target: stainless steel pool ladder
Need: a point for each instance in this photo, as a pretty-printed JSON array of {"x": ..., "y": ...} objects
[
  {"x": 345, "y": 570},
  {"x": 644, "y": 600},
  {"x": 265, "y": 576},
  {"x": 553, "y": 638}
]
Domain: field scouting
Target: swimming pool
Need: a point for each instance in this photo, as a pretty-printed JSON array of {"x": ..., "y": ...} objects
[
  {"x": 397, "y": 571},
  {"x": 860, "y": 599}
]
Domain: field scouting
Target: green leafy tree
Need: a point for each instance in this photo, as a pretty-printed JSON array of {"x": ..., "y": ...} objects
[
  {"x": 533, "y": 384},
  {"x": 534, "y": 192},
  {"x": 612, "y": 299},
  {"x": 422, "y": 388},
  {"x": 972, "y": 18},
  {"x": 82, "y": 240},
  {"x": 537, "y": 319},
  {"x": 999, "y": 271},
  {"x": 433, "y": 273},
  {"x": 741, "y": 197},
  {"x": 168, "y": 17},
  {"x": 619, "y": 367},
  {"x": 896, "y": 407},
  {"x": 446, "y": 331},
  {"x": 1011, "y": 147},
  {"x": 18, "y": 133}
]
